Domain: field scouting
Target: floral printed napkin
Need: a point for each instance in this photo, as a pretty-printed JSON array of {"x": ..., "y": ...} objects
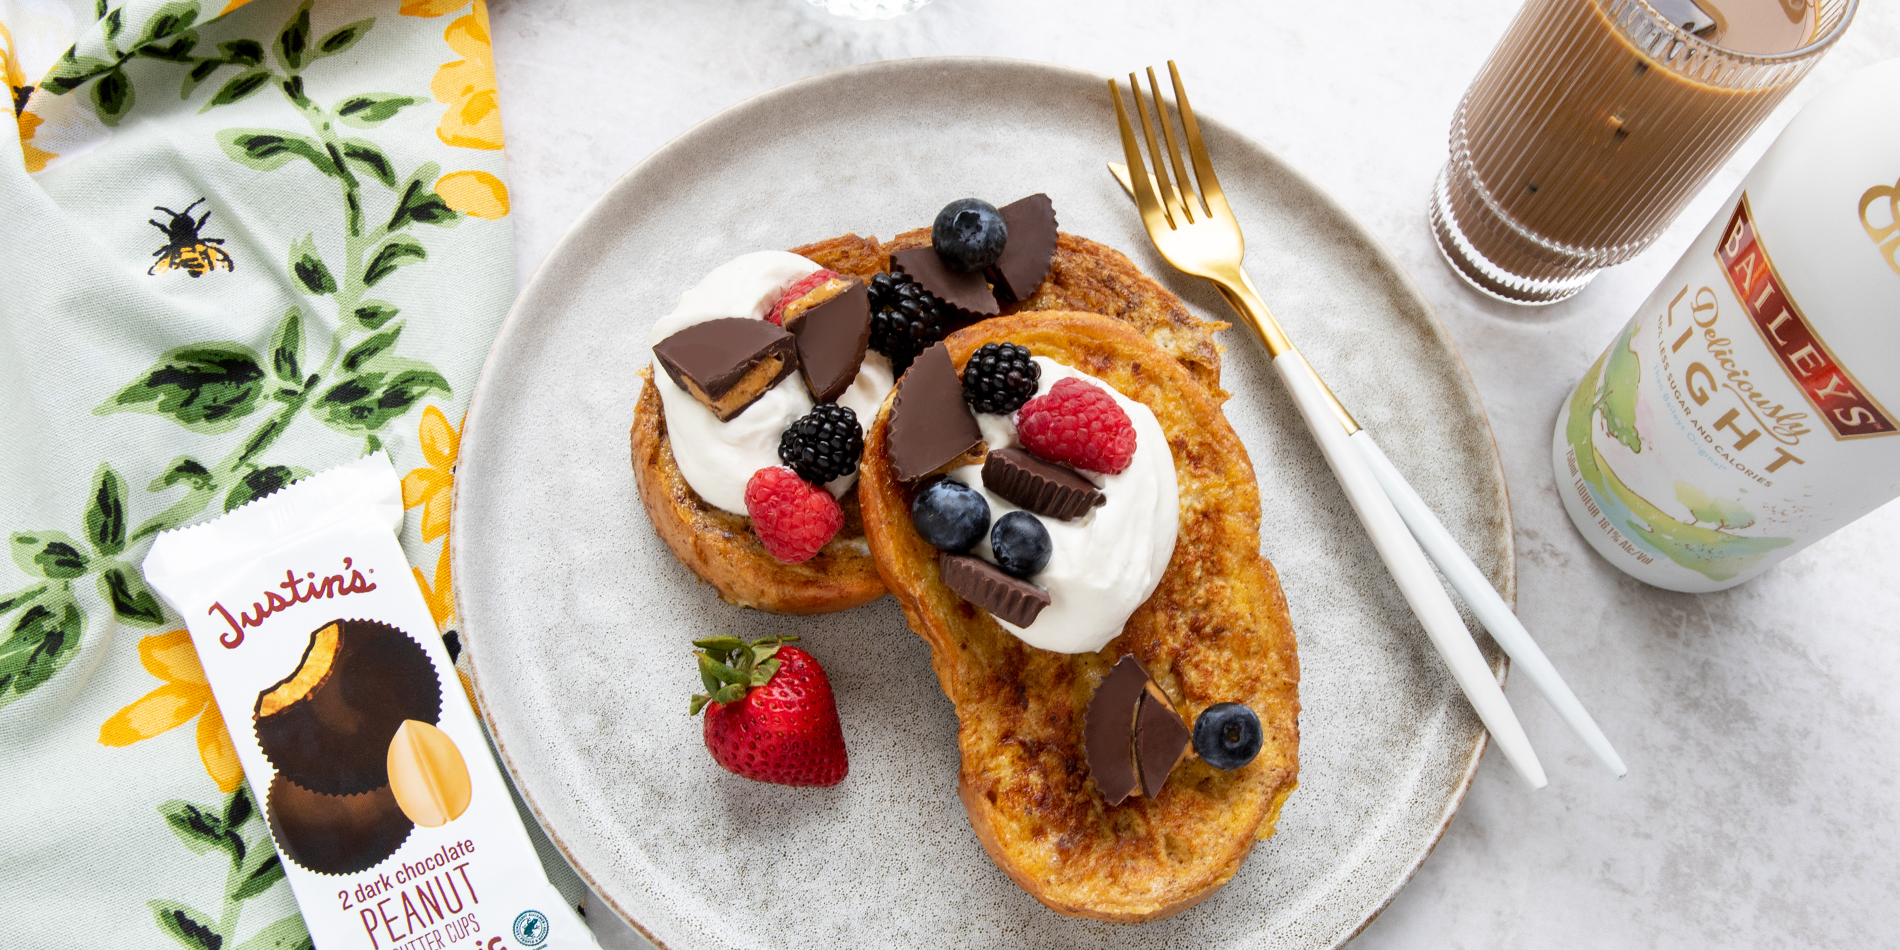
[{"x": 240, "y": 242}]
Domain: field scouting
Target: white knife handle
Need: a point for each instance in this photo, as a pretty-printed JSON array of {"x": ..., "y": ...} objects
[
  {"x": 1470, "y": 583},
  {"x": 1409, "y": 569}
]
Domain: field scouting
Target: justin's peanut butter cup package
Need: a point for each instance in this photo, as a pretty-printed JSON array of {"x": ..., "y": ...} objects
[{"x": 396, "y": 830}]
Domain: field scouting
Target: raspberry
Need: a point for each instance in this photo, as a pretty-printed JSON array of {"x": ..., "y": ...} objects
[
  {"x": 805, "y": 285},
  {"x": 1078, "y": 424},
  {"x": 792, "y": 517}
]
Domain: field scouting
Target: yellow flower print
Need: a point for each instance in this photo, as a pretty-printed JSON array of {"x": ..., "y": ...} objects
[
  {"x": 431, "y": 8},
  {"x": 441, "y": 595},
  {"x": 36, "y": 158},
  {"x": 467, "y": 86},
  {"x": 474, "y": 193},
  {"x": 432, "y": 486},
  {"x": 185, "y": 695},
  {"x": 234, "y": 4}
]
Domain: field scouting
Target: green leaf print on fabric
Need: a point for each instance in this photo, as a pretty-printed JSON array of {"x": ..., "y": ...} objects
[
  {"x": 294, "y": 39},
  {"x": 186, "y": 925},
  {"x": 372, "y": 314},
  {"x": 105, "y": 518},
  {"x": 49, "y": 554},
  {"x": 286, "y": 347},
  {"x": 40, "y": 641},
  {"x": 371, "y": 109},
  {"x": 206, "y": 388},
  {"x": 112, "y": 97},
  {"x": 367, "y": 157},
  {"x": 307, "y": 266},
  {"x": 131, "y": 600},
  {"x": 269, "y": 149},
  {"x": 394, "y": 253},
  {"x": 342, "y": 38},
  {"x": 238, "y": 832},
  {"x": 239, "y": 88}
]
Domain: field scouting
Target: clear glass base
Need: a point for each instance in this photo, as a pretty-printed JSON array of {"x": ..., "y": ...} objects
[{"x": 1483, "y": 274}]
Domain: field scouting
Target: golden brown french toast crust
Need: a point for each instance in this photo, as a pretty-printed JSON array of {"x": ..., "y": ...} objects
[
  {"x": 720, "y": 548},
  {"x": 1216, "y": 630}
]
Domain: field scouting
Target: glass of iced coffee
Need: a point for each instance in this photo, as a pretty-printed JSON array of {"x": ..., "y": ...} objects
[{"x": 1595, "y": 121}]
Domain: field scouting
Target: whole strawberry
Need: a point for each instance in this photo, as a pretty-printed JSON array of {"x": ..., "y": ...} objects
[
  {"x": 770, "y": 716},
  {"x": 792, "y": 517},
  {"x": 1078, "y": 424}
]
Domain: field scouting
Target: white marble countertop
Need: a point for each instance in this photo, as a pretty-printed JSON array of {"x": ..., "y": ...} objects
[{"x": 1762, "y": 808}]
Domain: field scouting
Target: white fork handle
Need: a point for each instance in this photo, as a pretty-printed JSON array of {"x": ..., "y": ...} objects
[
  {"x": 1470, "y": 583},
  {"x": 1407, "y": 564}
]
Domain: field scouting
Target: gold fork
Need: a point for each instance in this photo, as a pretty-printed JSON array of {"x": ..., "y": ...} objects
[{"x": 1196, "y": 231}]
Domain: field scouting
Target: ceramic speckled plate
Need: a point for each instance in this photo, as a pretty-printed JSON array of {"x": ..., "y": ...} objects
[{"x": 580, "y": 619}]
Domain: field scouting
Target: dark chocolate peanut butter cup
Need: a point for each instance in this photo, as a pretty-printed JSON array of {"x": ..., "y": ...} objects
[{"x": 327, "y": 725}]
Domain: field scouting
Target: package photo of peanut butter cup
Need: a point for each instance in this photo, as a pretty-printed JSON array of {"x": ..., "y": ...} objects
[
  {"x": 392, "y": 818},
  {"x": 327, "y": 725}
]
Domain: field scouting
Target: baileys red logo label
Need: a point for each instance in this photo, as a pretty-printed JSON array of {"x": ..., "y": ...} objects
[
  {"x": 302, "y": 590},
  {"x": 1848, "y": 409}
]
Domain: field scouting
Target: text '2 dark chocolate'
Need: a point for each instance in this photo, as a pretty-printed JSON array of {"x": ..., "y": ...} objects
[
  {"x": 1044, "y": 488},
  {"x": 728, "y": 364}
]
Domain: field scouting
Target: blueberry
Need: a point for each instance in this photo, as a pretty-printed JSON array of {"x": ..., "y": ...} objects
[
  {"x": 1020, "y": 543},
  {"x": 950, "y": 515},
  {"x": 1227, "y": 735},
  {"x": 969, "y": 234}
]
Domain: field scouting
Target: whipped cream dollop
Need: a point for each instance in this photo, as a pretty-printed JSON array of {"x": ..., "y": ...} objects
[
  {"x": 718, "y": 458},
  {"x": 1106, "y": 563}
]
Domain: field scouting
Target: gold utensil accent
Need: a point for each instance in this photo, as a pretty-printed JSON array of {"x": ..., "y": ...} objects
[
  {"x": 1207, "y": 244},
  {"x": 1196, "y": 231}
]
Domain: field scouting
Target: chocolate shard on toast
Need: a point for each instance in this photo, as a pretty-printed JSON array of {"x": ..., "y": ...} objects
[
  {"x": 1108, "y": 732},
  {"x": 832, "y": 337},
  {"x": 1031, "y": 247},
  {"x": 1044, "y": 488},
  {"x": 967, "y": 293},
  {"x": 1215, "y": 630},
  {"x": 985, "y": 585},
  {"x": 931, "y": 425},
  {"x": 728, "y": 364}
]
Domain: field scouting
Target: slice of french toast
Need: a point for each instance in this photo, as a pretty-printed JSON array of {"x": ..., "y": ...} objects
[
  {"x": 1216, "y": 630},
  {"x": 720, "y": 547}
]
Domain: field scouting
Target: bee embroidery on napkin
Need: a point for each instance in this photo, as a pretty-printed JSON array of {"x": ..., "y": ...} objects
[{"x": 185, "y": 247}]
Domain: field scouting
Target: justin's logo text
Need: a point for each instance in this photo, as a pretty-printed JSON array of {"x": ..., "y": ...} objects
[
  {"x": 1886, "y": 236},
  {"x": 302, "y": 590}
]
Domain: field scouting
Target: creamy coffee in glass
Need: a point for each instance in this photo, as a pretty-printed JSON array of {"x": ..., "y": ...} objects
[{"x": 1595, "y": 121}]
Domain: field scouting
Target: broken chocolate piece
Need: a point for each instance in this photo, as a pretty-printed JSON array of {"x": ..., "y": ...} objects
[
  {"x": 728, "y": 364},
  {"x": 327, "y": 725},
  {"x": 967, "y": 294},
  {"x": 1108, "y": 730},
  {"x": 985, "y": 585},
  {"x": 1042, "y": 487},
  {"x": 832, "y": 337},
  {"x": 1032, "y": 245},
  {"x": 1160, "y": 738},
  {"x": 931, "y": 425},
  {"x": 334, "y": 834}
]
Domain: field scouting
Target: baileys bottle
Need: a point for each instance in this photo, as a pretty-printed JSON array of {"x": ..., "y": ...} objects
[{"x": 1752, "y": 406}]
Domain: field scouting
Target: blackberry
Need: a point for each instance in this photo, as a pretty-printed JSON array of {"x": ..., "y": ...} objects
[
  {"x": 905, "y": 318},
  {"x": 999, "y": 378},
  {"x": 823, "y": 444}
]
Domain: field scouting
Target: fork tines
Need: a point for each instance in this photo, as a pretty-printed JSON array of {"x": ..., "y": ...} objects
[{"x": 1178, "y": 200}]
